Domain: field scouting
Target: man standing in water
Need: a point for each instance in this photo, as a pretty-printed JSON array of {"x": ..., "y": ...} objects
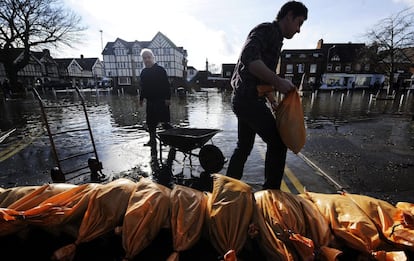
[
  {"x": 155, "y": 88},
  {"x": 257, "y": 65}
]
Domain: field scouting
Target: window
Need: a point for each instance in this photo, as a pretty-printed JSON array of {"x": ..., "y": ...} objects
[
  {"x": 311, "y": 80},
  {"x": 347, "y": 68},
  {"x": 288, "y": 55},
  {"x": 358, "y": 67},
  {"x": 316, "y": 55},
  {"x": 366, "y": 67},
  {"x": 302, "y": 55},
  {"x": 337, "y": 68},
  {"x": 301, "y": 68},
  {"x": 124, "y": 80},
  {"x": 329, "y": 67},
  {"x": 335, "y": 58},
  {"x": 119, "y": 51},
  {"x": 289, "y": 68},
  {"x": 313, "y": 68}
]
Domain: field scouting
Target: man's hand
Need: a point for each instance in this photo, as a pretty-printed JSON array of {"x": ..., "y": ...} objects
[
  {"x": 261, "y": 71},
  {"x": 284, "y": 85}
]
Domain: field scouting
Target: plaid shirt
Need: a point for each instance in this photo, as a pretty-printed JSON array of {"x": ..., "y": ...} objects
[{"x": 264, "y": 42}]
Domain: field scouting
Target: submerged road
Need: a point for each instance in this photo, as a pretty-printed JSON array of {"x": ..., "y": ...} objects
[
  {"x": 300, "y": 173},
  {"x": 353, "y": 143}
]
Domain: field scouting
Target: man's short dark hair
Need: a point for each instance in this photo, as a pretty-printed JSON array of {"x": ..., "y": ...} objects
[{"x": 297, "y": 9}]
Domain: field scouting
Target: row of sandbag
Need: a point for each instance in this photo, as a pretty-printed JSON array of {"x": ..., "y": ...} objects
[{"x": 310, "y": 226}]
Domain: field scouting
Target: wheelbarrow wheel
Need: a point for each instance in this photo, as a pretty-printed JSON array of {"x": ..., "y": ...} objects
[{"x": 211, "y": 158}]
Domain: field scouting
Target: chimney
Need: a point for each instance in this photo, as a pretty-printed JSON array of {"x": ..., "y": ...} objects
[
  {"x": 81, "y": 56},
  {"x": 46, "y": 52},
  {"x": 320, "y": 43}
]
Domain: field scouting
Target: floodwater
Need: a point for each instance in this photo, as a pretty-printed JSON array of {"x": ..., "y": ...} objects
[{"x": 118, "y": 126}]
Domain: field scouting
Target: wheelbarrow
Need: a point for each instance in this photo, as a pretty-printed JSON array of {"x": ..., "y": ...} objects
[{"x": 185, "y": 140}]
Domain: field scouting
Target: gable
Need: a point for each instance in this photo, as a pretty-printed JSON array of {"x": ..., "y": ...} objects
[
  {"x": 75, "y": 66},
  {"x": 161, "y": 41},
  {"x": 119, "y": 44},
  {"x": 136, "y": 45}
]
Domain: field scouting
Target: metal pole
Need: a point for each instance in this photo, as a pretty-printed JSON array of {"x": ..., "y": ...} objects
[
  {"x": 87, "y": 121},
  {"x": 47, "y": 128},
  {"x": 101, "y": 40}
]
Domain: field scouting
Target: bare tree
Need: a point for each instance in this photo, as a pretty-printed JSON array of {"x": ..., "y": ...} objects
[
  {"x": 389, "y": 37},
  {"x": 33, "y": 24}
]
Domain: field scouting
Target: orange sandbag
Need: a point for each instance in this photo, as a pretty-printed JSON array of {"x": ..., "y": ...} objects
[
  {"x": 10, "y": 195},
  {"x": 292, "y": 220},
  {"x": 289, "y": 117},
  {"x": 147, "y": 212},
  {"x": 290, "y": 121},
  {"x": 406, "y": 206},
  {"x": 27, "y": 209},
  {"x": 188, "y": 207},
  {"x": 392, "y": 222},
  {"x": 106, "y": 208},
  {"x": 348, "y": 222},
  {"x": 38, "y": 195},
  {"x": 229, "y": 213}
]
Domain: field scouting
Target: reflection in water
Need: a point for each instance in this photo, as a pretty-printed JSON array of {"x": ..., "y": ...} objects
[{"x": 118, "y": 122}]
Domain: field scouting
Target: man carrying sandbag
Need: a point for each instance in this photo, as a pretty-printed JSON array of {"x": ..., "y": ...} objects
[{"x": 256, "y": 66}]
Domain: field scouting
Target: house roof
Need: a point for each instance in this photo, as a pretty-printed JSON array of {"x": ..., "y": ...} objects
[
  {"x": 87, "y": 63},
  {"x": 63, "y": 62},
  {"x": 409, "y": 52},
  {"x": 15, "y": 54},
  {"x": 109, "y": 47},
  {"x": 348, "y": 52}
]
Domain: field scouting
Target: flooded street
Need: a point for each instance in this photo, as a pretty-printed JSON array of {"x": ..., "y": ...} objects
[{"x": 118, "y": 126}]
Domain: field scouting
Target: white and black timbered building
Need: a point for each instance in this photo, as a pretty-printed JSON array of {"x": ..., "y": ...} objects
[{"x": 123, "y": 63}]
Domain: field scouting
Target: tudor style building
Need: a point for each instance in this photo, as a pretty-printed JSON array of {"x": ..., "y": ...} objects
[
  {"x": 81, "y": 72},
  {"x": 44, "y": 70},
  {"x": 123, "y": 62}
]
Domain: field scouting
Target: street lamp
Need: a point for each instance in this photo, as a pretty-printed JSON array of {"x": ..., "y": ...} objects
[
  {"x": 327, "y": 56},
  {"x": 101, "y": 40}
]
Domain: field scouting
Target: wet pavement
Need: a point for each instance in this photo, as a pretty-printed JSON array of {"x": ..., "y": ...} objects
[{"x": 354, "y": 142}]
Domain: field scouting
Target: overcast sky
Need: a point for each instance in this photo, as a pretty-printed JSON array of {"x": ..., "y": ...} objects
[{"x": 216, "y": 29}]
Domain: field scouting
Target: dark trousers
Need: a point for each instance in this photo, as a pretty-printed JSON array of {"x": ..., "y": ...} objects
[
  {"x": 157, "y": 112},
  {"x": 254, "y": 117}
]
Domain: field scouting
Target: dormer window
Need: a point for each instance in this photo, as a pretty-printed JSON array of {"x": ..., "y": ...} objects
[{"x": 336, "y": 58}]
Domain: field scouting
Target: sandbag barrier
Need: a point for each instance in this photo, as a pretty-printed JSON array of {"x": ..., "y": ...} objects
[{"x": 143, "y": 220}]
